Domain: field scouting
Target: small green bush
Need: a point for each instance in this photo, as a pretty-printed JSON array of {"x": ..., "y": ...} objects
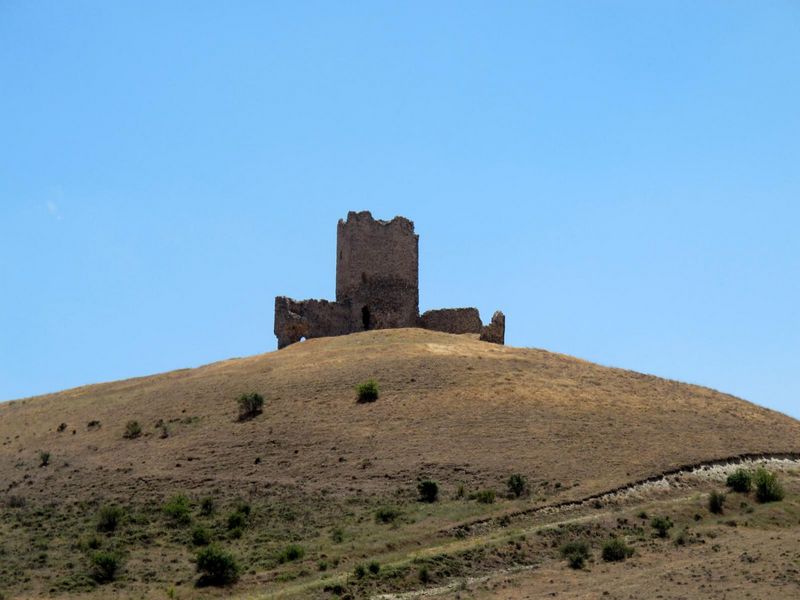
[
  {"x": 615, "y": 550},
  {"x": 237, "y": 520},
  {"x": 374, "y": 567},
  {"x": 104, "y": 566},
  {"x": 337, "y": 535},
  {"x": 201, "y": 536},
  {"x": 291, "y": 553},
  {"x": 576, "y": 553},
  {"x": 108, "y": 518},
  {"x": 250, "y": 406},
  {"x": 132, "y": 430},
  {"x": 517, "y": 485},
  {"x": 682, "y": 538},
  {"x": 662, "y": 525},
  {"x": 244, "y": 508},
  {"x": 367, "y": 391},
  {"x": 44, "y": 458},
  {"x": 716, "y": 502},
  {"x": 178, "y": 510},
  {"x": 386, "y": 514},
  {"x": 428, "y": 490},
  {"x": 217, "y": 566},
  {"x": 740, "y": 481},
  {"x": 484, "y": 496},
  {"x": 16, "y": 501},
  {"x": 424, "y": 575},
  {"x": 207, "y": 507},
  {"x": 360, "y": 571},
  {"x": 768, "y": 488}
]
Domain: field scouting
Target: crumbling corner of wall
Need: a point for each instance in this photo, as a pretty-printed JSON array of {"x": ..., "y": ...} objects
[
  {"x": 290, "y": 326},
  {"x": 495, "y": 332}
]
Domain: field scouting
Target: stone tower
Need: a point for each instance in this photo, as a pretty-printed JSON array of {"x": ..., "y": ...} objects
[
  {"x": 377, "y": 287},
  {"x": 377, "y": 271}
]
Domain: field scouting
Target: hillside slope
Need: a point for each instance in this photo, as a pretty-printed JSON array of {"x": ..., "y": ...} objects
[{"x": 451, "y": 407}]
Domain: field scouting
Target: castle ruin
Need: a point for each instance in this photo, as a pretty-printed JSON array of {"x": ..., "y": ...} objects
[{"x": 377, "y": 287}]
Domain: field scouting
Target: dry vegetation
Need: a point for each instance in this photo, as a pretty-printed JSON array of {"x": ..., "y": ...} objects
[{"x": 317, "y": 495}]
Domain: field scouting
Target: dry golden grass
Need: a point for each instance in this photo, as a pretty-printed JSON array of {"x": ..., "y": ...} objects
[{"x": 451, "y": 407}]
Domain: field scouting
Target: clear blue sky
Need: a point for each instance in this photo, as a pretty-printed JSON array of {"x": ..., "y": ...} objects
[{"x": 621, "y": 178}]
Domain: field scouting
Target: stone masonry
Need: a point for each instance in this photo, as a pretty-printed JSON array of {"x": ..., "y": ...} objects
[{"x": 377, "y": 287}]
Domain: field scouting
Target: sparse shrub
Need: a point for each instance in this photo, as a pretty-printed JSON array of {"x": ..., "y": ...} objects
[
  {"x": 768, "y": 488},
  {"x": 484, "y": 496},
  {"x": 207, "y": 507},
  {"x": 16, "y": 502},
  {"x": 94, "y": 424},
  {"x": 44, "y": 458},
  {"x": 61, "y": 428},
  {"x": 424, "y": 575},
  {"x": 576, "y": 553},
  {"x": 322, "y": 565},
  {"x": 237, "y": 520},
  {"x": 386, "y": 514},
  {"x": 108, "y": 518},
  {"x": 337, "y": 535},
  {"x": 682, "y": 537},
  {"x": 643, "y": 515},
  {"x": 517, "y": 485},
  {"x": 360, "y": 571},
  {"x": 428, "y": 490},
  {"x": 740, "y": 480},
  {"x": 250, "y": 406},
  {"x": 132, "y": 430},
  {"x": 374, "y": 567},
  {"x": 615, "y": 550},
  {"x": 716, "y": 502},
  {"x": 93, "y": 542},
  {"x": 104, "y": 566},
  {"x": 201, "y": 536},
  {"x": 217, "y": 566},
  {"x": 461, "y": 491},
  {"x": 236, "y": 533},
  {"x": 244, "y": 508},
  {"x": 662, "y": 525},
  {"x": 291, "y": 553},
  {"x": 367, "y": 391},
  {"x": 178, "y": 510}
]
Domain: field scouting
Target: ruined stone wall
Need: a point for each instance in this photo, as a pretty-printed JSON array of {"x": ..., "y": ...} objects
[
  {"x": 452, "y": 320},
  {"x": 495, "y": 331},
  {"x": 377, "y": 271},
  {"x": 295, "y": 320}
]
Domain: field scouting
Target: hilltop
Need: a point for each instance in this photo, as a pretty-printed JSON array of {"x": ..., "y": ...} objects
[
  {"x": 450, "y": 407},
  {"x": 462, "y": 412}
]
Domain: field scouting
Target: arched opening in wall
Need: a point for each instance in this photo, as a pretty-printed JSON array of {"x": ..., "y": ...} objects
[{"x": 365, "y": 318}]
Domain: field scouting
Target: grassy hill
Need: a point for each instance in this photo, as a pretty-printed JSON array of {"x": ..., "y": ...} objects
[{"x": 463, "y": 413}]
